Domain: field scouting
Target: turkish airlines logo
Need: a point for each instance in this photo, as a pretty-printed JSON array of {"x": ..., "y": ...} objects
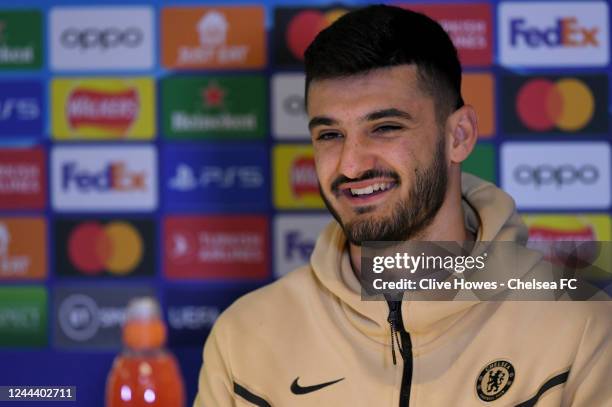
[
  {"x": 114, "y": 111},
  {"x": 23, "y": 178},
  {"x": 216, "y": 246},
  {"x": 469, "y": 25},
  {"x": 554, "y": 34},
  {"x": 304, "y": 177},
  {"x": 105, "y": 38}
]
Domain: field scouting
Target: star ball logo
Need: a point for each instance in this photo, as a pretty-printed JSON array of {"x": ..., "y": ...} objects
[
  {"x": 107, "y": 247},
  {"x": 295, "y": 30},
  {"x": 555, "y": 104}
]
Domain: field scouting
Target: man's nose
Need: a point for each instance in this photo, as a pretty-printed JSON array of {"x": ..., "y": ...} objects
[{"x": 356, "y": 157}]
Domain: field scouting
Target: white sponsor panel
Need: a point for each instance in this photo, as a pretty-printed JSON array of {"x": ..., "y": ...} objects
[
  {"x": 101, "y": 178},
  {"x": 553, "y": 175},
  {"x": 294, "y": 240},
  {"x": 109, "y": 38},
  {"x": 542, "y": 34},
  {"x": 289, "y": 120}
]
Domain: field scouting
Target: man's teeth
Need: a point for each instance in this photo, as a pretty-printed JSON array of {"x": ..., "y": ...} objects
[{"x": 383, "y": 186}]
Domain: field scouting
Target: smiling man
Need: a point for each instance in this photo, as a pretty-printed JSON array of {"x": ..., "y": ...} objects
[{"x": 390, "y": 131}]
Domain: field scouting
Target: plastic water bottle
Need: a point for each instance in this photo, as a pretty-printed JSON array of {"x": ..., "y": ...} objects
[{"x": 144, "y": 374}]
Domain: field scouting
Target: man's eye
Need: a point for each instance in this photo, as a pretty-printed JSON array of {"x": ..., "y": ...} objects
[
  {"x": 387, "y": 128},
  {"x": 328, "y": 136}
]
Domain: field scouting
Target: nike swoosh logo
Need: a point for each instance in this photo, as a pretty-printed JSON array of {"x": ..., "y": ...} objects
[{"x": 297, "y": 389}]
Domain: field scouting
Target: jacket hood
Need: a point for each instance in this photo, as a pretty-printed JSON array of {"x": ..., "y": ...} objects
[{"x": 489, "y": 213}]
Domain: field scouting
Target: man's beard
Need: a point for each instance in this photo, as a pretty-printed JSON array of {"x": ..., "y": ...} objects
[{"x": 410, "y": 216}]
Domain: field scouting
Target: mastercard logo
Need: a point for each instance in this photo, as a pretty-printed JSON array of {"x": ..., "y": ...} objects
[
  {"x": 305, "y": 26},
  {"x": 115, "y": 247},
  {"x": 566, "y": 104}
]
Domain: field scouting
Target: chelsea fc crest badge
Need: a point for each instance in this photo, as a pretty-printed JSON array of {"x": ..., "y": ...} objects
[{"x": 495, "y": 380}]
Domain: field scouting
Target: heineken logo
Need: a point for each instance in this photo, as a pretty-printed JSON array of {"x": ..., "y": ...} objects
[
  {"x": 215, "y": 107},
  {"x": 213, "y": 95},
  {"x": 20, "y": 39}
]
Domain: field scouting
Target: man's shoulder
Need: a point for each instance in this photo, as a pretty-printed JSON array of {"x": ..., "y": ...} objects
[{"x": 271, "y": 303}]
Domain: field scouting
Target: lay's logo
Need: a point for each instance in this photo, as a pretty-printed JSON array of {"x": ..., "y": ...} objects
[
  {"x": 295, "y": 178},
  {"x": 304, "y": 177},
  {"x": 94, "y": 109},
  {"x": 542, "y": 34},
  {"x": 543, "y": 233},
  {"x": 115, "y": 111},
  {"x": 584, "y": 237}
]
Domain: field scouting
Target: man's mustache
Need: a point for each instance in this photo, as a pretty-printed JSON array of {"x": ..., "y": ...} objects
[{"x": 366, "y": 175}]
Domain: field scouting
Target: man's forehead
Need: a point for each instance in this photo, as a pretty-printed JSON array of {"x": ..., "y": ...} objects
[
  {"x": 364, "y": 93},
  {"x": 405, "y": 72}
]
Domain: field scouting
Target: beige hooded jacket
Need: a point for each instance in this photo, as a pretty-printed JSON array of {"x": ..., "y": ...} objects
[{"x": 309, "y": 340}]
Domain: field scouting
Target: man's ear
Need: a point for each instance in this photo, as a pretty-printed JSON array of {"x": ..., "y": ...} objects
[{"x": 462, "y": 133}]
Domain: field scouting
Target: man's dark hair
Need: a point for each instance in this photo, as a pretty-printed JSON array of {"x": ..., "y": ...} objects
[{"x": 383, "y": 36}]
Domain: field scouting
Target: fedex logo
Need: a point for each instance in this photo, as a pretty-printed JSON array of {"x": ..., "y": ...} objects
[
  {"x": 544, "y": 34},
  {"x": 297, "y": 246},
  {"x": 295, "y": 237},
  {"x": 116, "y": 176},
  {"x": 567, "y": 32},
  {"x": 98, "y": 178}
]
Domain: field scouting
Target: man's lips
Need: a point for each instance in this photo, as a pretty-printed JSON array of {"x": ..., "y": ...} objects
[{"x": 367, "y": 191}]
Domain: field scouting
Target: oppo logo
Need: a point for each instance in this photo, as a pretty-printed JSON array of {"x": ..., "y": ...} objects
[
  {"x": 294, "y": 105},
  {"x": 101, "y": 38},
  {"x": 565, "y": 174}
]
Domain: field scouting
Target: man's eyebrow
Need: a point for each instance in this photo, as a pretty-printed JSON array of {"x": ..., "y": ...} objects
[
  {"x": 321, "y": 121},
  {"x": 391, "y": 112}
]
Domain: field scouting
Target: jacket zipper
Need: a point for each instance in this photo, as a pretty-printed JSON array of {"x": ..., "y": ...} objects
[{"x": 405, "y": 349}]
